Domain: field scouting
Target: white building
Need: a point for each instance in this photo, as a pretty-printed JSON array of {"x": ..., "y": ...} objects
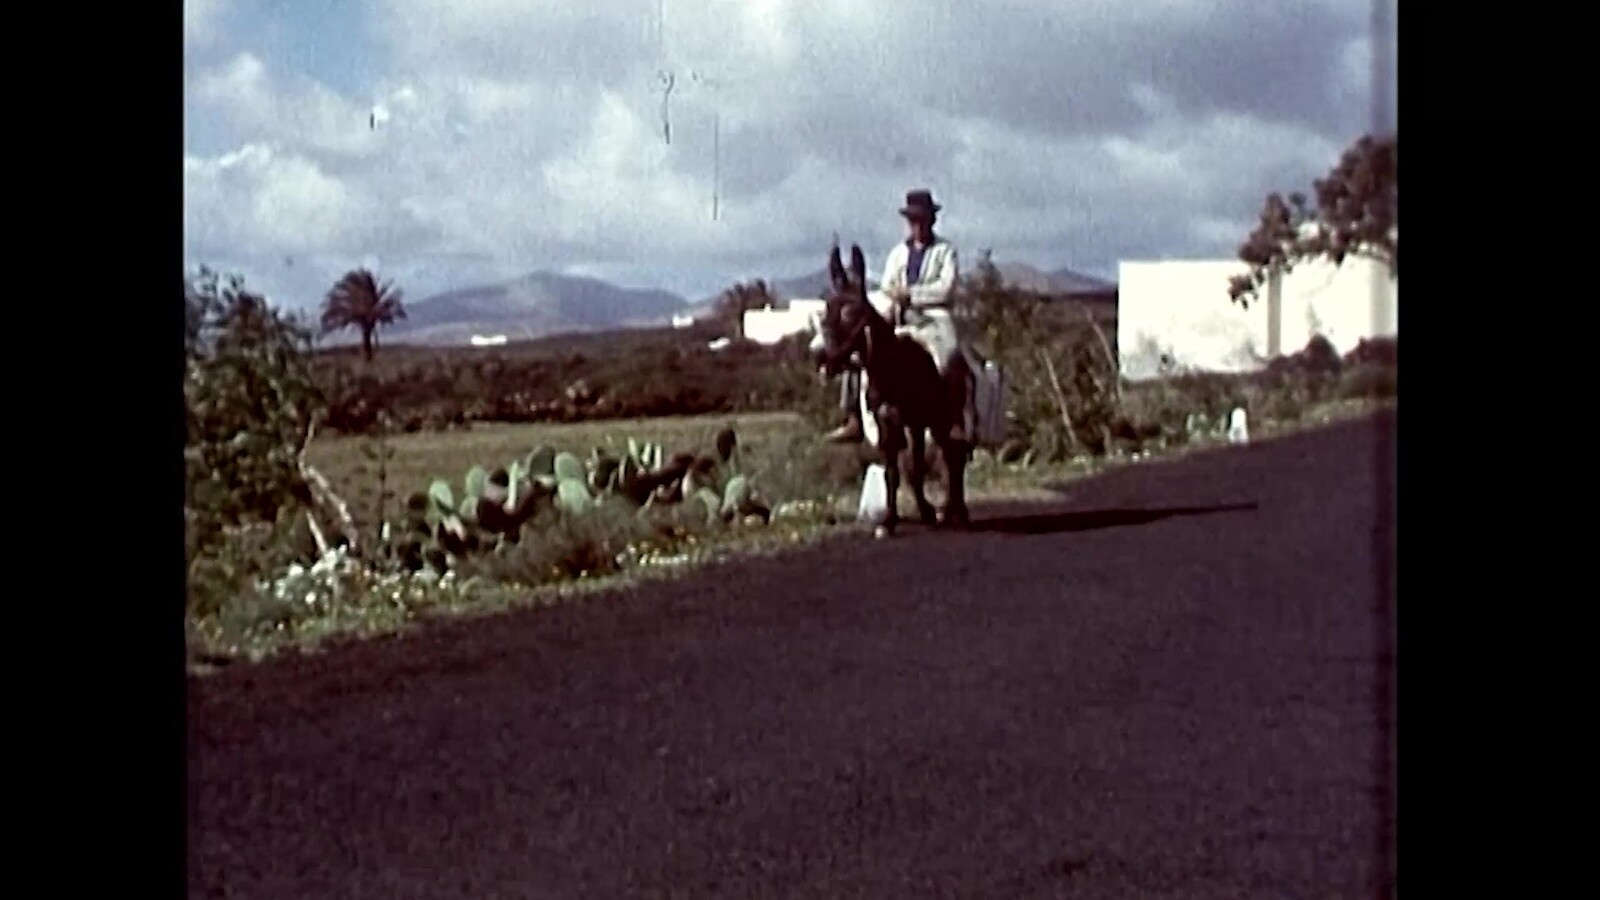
[
  {"x": 769, "y": 326},
  {"x": 1177, "y": 313}
]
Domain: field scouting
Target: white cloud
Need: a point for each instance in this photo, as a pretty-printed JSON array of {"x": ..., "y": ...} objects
[
  {"x": 524, "y": 135},
  {"x": 295, "y": 111},
  {"x": 268, "y": 201},
  {"x": 200, "y": 20}
]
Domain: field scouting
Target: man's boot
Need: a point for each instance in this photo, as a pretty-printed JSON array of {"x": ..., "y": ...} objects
[{"x": 848, "y": 433}]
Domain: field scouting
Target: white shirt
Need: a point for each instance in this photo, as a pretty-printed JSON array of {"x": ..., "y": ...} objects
[{"x": 937, "y": 280}]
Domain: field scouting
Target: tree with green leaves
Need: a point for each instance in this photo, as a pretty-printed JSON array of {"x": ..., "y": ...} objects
[
  {"x": 358, "y": 301},
  {"x": 1355, "y": 215},
  {"x": 1061, "y": 372},
  {"x": 251, "y": 404}
]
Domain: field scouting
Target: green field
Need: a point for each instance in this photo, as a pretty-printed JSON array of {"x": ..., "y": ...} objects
[
  {"x": 791, "y": 461},
  {"x": 784, "y": 454}
]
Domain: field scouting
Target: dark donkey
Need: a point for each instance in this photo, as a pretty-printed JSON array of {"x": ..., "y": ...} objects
[{"x": 906, "y": 393}]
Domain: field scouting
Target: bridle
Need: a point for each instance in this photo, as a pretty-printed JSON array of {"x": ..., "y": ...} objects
[{"x": 862, "y": 331}]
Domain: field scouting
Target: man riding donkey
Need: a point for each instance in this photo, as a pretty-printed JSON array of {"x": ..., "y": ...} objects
[{"x": 919, "y": 280}]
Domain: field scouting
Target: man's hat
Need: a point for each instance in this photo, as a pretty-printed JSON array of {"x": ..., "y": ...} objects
[{"x": 919, "y": 203}]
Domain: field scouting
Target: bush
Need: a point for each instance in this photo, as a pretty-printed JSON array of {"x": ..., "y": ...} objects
[
  {"x": 802, "y": 468},
  {"x": 630, "y": 374},
  {"x": 1317, "y": 358},
  {"x": 1371, "y": 380},
  {"x": 230, "y": 562},
  {"x": 1065, "y": 395},
  {"x": 251, "y": 407},
  {"x": 563, "y": 546},
  {"x": 1383, "y": 351}
]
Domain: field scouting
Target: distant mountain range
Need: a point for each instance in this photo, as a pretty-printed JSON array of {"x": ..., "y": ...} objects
[
  {"x": 1061, "y": 281},
  {"x": 543, "y": 303},
  {"x": 532, "y": 306}
]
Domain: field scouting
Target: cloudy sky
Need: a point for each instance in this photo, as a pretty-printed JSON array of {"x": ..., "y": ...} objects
[{"x": 518, "y": 135}]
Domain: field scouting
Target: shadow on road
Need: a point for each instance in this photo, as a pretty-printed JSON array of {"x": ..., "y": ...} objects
[{"x": 1089, "y": 520}]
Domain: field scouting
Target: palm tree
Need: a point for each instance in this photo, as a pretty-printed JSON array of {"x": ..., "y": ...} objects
[{"x": 358, "y": 301}]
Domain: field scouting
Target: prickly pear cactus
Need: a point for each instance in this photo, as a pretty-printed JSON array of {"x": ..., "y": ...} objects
[
  {"x": 541, "y": 461},
  {"x": 603, "y": 472},
  {"x": 495, "y": 505},
  {"x": 572, "y": 496},
  {"x": 477, "y": 477},
  {"x": 443, "y": 499},
  {"x": 708, "y": 504},
  {"x": 568, "y": 466},
  {"x": 736, "y": 497},
  {"x": 516, "y": 482}
]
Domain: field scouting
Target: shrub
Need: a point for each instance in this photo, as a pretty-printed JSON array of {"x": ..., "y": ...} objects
[
  {"x": 565, "y": 545},
  {"x": 1382, "y": 351},
  {"x": 1371, "y": 380},
  {"x": 251, "y": 407},
  {"x": 1065, "y": 395},
  {"x": 632, "y": 374}
]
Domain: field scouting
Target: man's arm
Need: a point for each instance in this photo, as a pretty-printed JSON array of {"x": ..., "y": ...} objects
[
  {"x": 938, "y": 291},
  {"x": 894, "y": 268}
]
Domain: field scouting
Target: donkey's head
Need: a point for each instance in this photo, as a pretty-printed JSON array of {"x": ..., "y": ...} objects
[{"x": 847, "y": 318}]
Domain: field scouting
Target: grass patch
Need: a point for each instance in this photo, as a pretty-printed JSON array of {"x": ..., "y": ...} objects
[
  {"x": 423, "y": 456},
  {"x": 257, "y": 625},
  {"x": 577, "y": 560},
  {"x": 240, "y": 611}
]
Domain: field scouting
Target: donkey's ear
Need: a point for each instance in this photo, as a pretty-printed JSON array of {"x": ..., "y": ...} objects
[
  {"x": 858, "y": 263},
  {"x": 836, "y": 268}
]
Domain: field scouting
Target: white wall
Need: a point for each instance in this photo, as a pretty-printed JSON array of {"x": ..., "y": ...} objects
[
  {"x": 769, "y": 326},
  {"x": 1180, "y": 308},
  {"x": 809, "y": 306},
  {"x": 1344, "y": 304}
]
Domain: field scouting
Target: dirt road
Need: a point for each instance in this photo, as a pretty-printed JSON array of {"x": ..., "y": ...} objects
[{"x": 1174, "y": 683}]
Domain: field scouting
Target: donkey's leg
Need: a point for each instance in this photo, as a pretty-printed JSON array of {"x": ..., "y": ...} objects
[
  {"x": 956, "y": 454},
  {"x": 958, "y": 378},
  {"x": 891, "y": 440},
  {"x": 919, "y": 475}
]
